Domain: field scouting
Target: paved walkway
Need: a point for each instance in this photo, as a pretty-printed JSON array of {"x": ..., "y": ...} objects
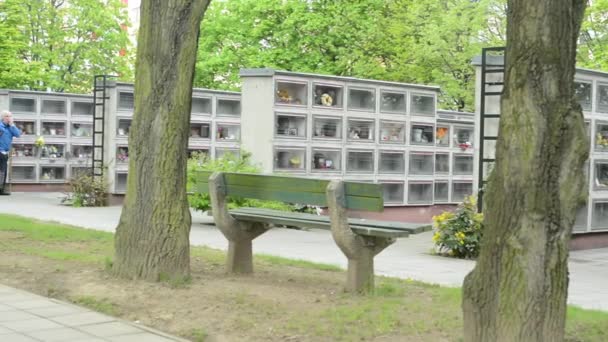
[
  {"x": 26, "y": 317},
  {"x": 407, "y": 258}
]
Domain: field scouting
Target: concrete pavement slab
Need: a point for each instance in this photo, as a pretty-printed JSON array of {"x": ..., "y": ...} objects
[
  {"x": 29, "y": 320},
  {"x": 59, "y": 335}
]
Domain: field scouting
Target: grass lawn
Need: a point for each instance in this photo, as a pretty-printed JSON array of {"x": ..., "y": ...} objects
[{"x": 285, "y": 300}]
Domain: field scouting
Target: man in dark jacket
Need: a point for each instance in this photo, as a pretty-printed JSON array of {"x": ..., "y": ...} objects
[{"x": 8, "y": 131}]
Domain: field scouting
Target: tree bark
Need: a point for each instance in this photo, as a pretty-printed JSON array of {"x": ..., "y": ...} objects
[
  {"x": 518, "y": 289},
  {"x": 152, "y": 237}
]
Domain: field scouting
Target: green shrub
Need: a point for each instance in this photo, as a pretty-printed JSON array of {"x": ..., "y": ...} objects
[
  {"x": 229, "y": 162},
  {"x": 87, "y": 191},
  {"x": 458, "y": 233}
]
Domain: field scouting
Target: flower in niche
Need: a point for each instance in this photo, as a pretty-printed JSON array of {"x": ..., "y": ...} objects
[{"x": 441, "y": 132}]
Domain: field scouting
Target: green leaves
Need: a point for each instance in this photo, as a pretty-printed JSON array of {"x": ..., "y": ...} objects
[
  {"x": 459, "y": 233},
  {"x": 46, "y": 44},
  {"x": 428, "y": 42},
  {"x": 415, "y": 41},
  {"x": 593, "y": 39}
]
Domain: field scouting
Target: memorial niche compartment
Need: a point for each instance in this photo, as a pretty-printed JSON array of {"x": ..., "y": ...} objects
[
  {"x": 125, "y": 100},
  {"x": 27, "y": 127},
  {"x": 53, "y": 128},
  {"x": 392, "y": 102},
  {"x": 290, "y": 126},
  {"x": 289, "y": 159},
  {"x": 82, "y": 129},
  {"x": 360, "y": 161},
  {"x": 122, "y": 154},
  {"x": 52, "y": 173},
  {"x": 581, "y": 219},
  {"x": 360, "y": 130},
  {"x": 423, "y": 104},
  {"x": 362, "y": 99},
  {"x": 421, "y": 163},
  {"x": 393, "y": 192},
  {"x": 599, "y": 215},
  {"x": 327, "y": 96},
  {"x": 228, "y": 107},
  {"x": 326, "y": 160},
  {"x": 582, "y": 92},
  {"x": 82, "y": 151},
  {"x": 442, "y": 136},
  {"x": 422, "y": 134},
  {"x": 463, "y": 164},
  {"x": 23, "y": 150},
  {"x": 392, "y": 132},
  {"x": 53, "y": 107},
  {"x": 441, "y": 191},
  {"x": 601, "y": 175},
  {"x": 201, "y": 105},
  {"x": 82, "y": 108},
  {"x": 460, "y": 190},
  {"x": 420, "y": 193},
  {"x": 52, "y": 151},
  {"x": 442, "y": 163},
  {"x": 228, "y": 132},
  {"x": 392, "y": 162},
  {"x": 327, "y": 128},
  {"x": 23, "y": 173},
  {"x": 124, "y": 126},
  {"x": 291, "y": 93},
  {"x": 601, "y": 136},
  {"x": 602, "y": 98},
  {"x": 23, "y": 105},
  {"x": 200, "y": 130},
  {"x": 463, "y": 137},
  {"x": 121, "y": 182}
]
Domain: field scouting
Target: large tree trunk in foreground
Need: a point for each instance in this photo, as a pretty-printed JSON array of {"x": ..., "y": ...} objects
[
  {"x": 518, "y": 289},
  {"x": 152, "y": 238}
]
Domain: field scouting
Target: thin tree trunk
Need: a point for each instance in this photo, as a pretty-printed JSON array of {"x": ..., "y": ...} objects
[
  {"x": 518, "y": 289},
  {"x": 152, "y": 238}
]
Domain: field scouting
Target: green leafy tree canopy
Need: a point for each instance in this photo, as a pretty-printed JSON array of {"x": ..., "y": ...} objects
[{"x": 59, "y": 45}]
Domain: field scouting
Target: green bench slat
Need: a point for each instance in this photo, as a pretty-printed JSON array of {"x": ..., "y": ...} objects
[
  {"x": 271, "y": 194},
  {"x": 412, "y": 228},
  {"x": 359, "y": 196},
  {"x": 288, "y": 221},
  {"x": 301, "y": 184}
]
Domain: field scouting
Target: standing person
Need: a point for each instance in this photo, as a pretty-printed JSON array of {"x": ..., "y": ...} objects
[{"x": 8, "y": 131}]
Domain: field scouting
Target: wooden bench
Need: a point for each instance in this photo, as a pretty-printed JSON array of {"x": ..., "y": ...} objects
[{"x": 359, "y": 239}]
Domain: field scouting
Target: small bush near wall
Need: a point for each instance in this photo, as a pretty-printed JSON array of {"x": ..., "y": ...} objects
[
  {"x": 227, "y": 163},
  {"x": 87, "y": 191},
  {"x": 458, "y": 233}
]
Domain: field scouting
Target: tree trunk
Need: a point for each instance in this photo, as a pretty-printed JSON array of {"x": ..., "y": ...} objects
[
  {"x": 152, "y": 237},
  {"x": 518, "y": 289}
]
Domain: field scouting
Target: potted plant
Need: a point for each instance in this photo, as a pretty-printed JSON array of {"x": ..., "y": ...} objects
[
  {"x": 295, "y": 162},
  {"x": 39, "y": 143}
]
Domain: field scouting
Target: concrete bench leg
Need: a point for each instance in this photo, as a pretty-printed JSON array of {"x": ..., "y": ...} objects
[
  {"x": 361, "y": 276},
  {"x": 359, "y": 250},
  {"x": 239, "y": 234}
]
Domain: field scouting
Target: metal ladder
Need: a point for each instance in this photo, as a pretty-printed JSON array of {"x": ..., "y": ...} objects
[
  {"x": 100, "y": 97},
  {"x": 492, "y": 66}
]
